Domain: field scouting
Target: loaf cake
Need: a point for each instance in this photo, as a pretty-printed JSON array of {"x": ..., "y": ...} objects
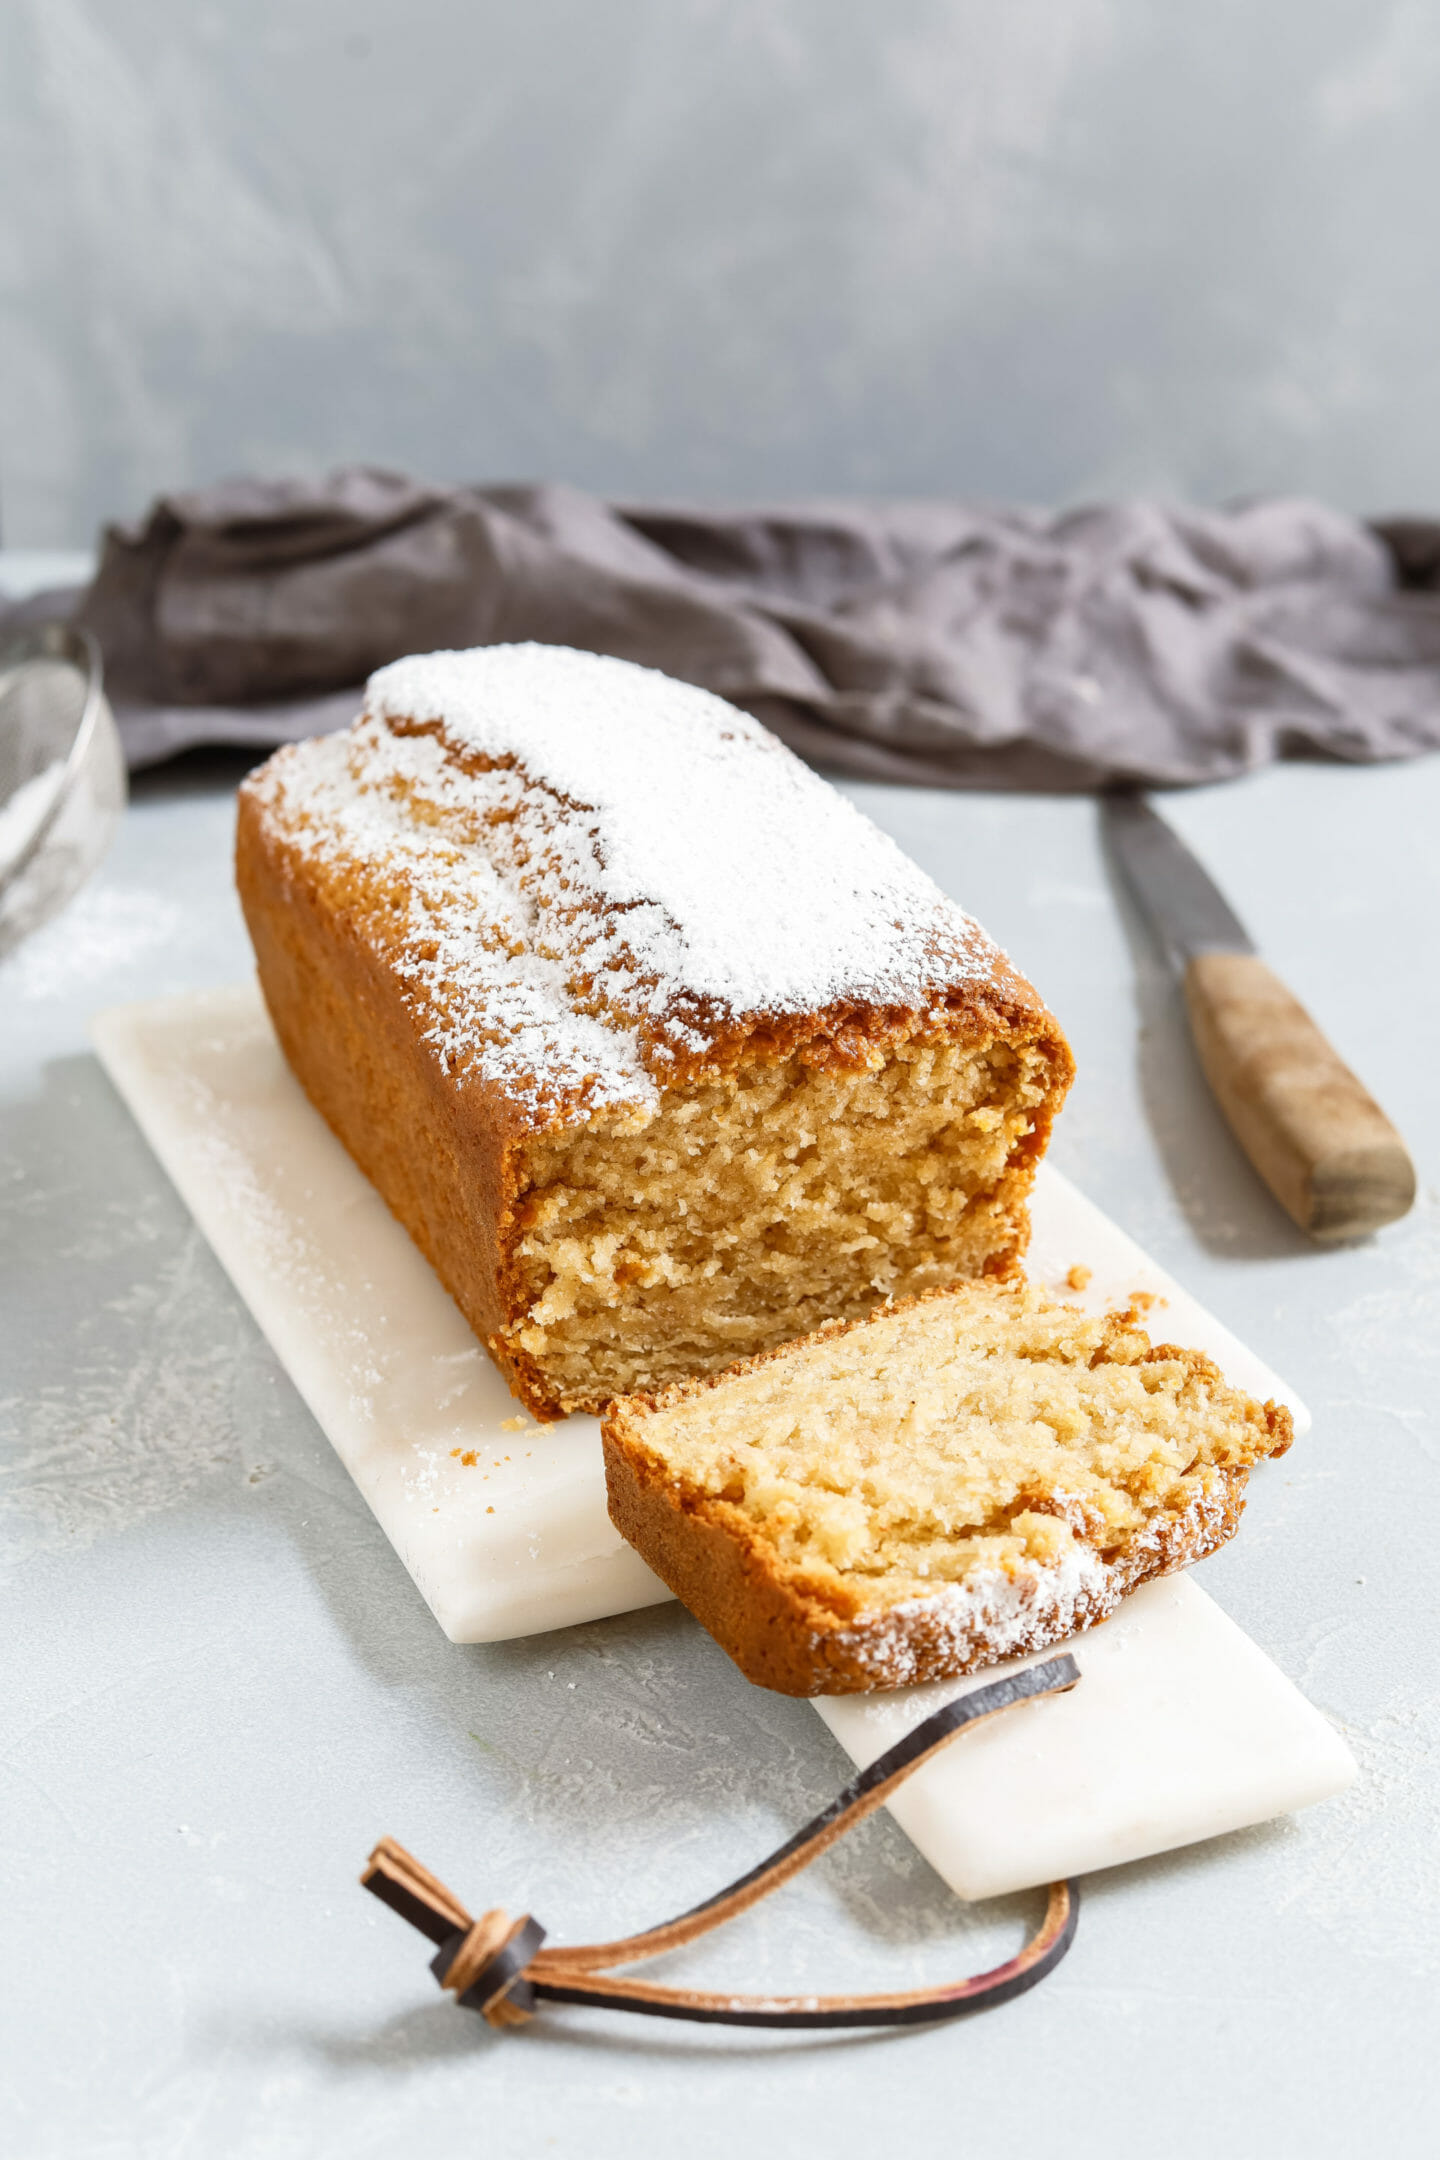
[
  {"x": 661, "y": 1051},
  {"x": 970, "y": 1475}
]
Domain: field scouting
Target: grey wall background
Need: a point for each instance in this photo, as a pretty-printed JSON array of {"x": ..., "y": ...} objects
[{"x": 1035, "y": 249}]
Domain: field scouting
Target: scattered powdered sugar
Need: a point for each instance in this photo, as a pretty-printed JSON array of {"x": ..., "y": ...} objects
[
  {"x": 605, "y": 868},
  {"x": 107, "y": 929},
  {"x": 1366, "y": 1868},
  {"x": 143, "y": 1412}
]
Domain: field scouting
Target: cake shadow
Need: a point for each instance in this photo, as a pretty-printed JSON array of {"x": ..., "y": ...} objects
[{"x": 1179, "y": 1863}]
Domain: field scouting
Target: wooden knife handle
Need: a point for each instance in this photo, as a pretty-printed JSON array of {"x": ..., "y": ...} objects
[{"x": 1322, "y": 1144}]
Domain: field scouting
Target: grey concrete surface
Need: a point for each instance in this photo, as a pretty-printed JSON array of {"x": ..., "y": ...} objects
[
  {"x": 1044, "y": 250},
  {"x": 220, "y": 1686}
]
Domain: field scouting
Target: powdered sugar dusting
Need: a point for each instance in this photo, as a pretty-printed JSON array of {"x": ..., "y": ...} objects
[
  {"x": 993, "y": 1614},
  {"x": 488, "y": 997},
  {"x": 1004, "y": 1606},
  {"x": 997, "y": 1613},
  {"x": 605, "y": 870}
]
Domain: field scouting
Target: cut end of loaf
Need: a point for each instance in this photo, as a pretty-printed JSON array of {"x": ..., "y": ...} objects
[
  {"x": 753, "y": 1208},
  {"x": 973, "y": 1475}
]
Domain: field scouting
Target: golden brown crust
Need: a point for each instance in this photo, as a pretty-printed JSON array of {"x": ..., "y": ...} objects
[
  {"x": 803, "y": 1634},
  {"x": 446, "y": 1164}
]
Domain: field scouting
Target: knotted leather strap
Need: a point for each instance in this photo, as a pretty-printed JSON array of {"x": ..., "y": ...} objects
[{"x": 497, "y": 1966}]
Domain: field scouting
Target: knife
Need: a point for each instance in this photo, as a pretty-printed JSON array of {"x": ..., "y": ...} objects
[{"x": 1317, "y": 1137}]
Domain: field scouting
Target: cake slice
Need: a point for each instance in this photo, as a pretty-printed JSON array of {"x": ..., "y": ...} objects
[
  {"x": 661, "y": 1051},
  {"x": 968, "y": 1476}
]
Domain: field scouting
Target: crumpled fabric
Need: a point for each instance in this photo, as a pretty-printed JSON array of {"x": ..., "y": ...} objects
[{"x": 939, "y": 643}]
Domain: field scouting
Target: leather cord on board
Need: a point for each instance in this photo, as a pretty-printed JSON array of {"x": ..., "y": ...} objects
[{"x": 496, "y": 1965}]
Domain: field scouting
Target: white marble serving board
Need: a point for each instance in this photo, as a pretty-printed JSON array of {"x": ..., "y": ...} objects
[
  {"x": 502, "y": 1522},
  {"x": 1180, "y": 1728}
]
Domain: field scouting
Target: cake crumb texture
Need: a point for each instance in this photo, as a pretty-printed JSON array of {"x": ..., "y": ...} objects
[{"x": 754, "y": 1207}]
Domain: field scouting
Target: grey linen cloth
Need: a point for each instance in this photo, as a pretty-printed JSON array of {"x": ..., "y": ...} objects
[{"x": 929, "y": 642}]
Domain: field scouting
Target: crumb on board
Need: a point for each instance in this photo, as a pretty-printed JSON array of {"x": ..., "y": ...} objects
[
  {"x": 1142, "y": 1301},
  {"x": 513, "y": 1424},
  {"x": 467, "y": 1456},
  {"x": 1079, "y": 1277}
]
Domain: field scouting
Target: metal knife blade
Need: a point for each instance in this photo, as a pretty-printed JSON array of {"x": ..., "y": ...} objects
[{"x": 1176, "y": 893}]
